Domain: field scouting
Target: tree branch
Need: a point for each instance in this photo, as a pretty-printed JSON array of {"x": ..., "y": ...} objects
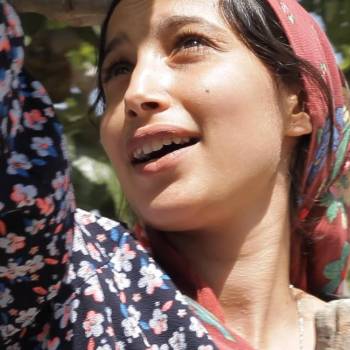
[{"x": 74, "y": 12}]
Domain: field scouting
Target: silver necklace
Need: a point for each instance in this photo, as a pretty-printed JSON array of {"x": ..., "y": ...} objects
[{"x": 301, "y": 323}]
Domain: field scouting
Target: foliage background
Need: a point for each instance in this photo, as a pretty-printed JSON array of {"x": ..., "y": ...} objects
[{"x": 64, "y": 59}]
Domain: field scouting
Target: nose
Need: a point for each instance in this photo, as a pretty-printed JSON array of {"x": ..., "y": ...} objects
[{"x": 147, "y": 93}]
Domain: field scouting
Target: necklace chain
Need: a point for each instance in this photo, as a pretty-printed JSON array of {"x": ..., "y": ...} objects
[{"x": 301, "y": 323}]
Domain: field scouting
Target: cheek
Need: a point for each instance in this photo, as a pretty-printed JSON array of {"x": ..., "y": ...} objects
[
  {"x": 237, "y": 108},
  {"x": 239, "y": 114}
]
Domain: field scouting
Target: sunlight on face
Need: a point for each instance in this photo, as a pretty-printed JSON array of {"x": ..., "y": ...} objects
[{"x": 194, "y": 124}]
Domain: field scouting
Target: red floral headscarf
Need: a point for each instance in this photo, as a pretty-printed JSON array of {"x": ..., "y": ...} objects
[{"x": 320, "y": 254}]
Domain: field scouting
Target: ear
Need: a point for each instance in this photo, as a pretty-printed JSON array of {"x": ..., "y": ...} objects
[{"x": 298, "y": 122}]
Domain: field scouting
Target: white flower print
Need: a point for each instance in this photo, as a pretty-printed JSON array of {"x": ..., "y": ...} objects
[
  {"x": 84, "y": 218},
  {"x": 15, "y": 114},
  {"x": 23, "y": 195},
  {"x": 94, "y": 289},
  {"x": 86, "y": 269},
  {"x": 8, "y": 331},
  {"x": 35, "y": 264},
  {"x": 71, "y": 275},
  {"x": 159, "y": 321},
  {"x": 35, "y": 226},
  {"x": 5, "y": 297},
  {"x": 197, "y": 327},
  {"x": 182, "y": 313},
  {"x": 6, "y": 81},
  {"x": 121, "y": 280},
  {"x": 108, "y": 313},
  {"x": 15, "y": 346},
  {"x": 111, "y": 286},
  {"x": 42, "y": 145},
  {"x": 26, "y": 317},
  {"x": 52, "y": 246},
  {"x": 40, "y": 92},
  {"x": 131, "y": 323},
  {"x": 161, "y": 347},
  {"x": 52, "y": 291},
  {"x": 60, "y": 185},
  {"x": 11, "y": 243},
  {"x": 93, "y": 324},
  {"x": 177, "y": 341},
  {"x": 120, "y": 345},
  {"x": 12, "y": 271},
  {"x": 62, "y": 312},
  {"x": 73, "y": 313},
  {"x": 152, "y": 278},
  {"x": 79, "y": 242},
  {"x": 49, "y": 112},
  {"x": 136, "y": 297},
  {"x": 181, "y": 298},
  {"x": 94, "y": 253},
  {"x": 107, "y": 224},
  {"x": 18, "y": 164},
  {"x": 104, "y": 347},
  {"x": 122, "y": 257}
]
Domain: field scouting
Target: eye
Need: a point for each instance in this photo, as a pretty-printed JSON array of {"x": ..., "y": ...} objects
[
  {"x": 116, "y": 69},
  {"x": 191, "y": 41}
]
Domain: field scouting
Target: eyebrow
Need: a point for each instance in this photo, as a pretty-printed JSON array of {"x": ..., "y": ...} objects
[
  {"x": 173, "y": 22},
  {"x": 119, "y": 40}
]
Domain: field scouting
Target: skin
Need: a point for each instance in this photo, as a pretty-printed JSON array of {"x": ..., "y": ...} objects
[{"x": 225, "y": 204}]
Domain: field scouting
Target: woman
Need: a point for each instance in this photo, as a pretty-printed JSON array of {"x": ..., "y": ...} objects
[{"x": 230, "y": 136}]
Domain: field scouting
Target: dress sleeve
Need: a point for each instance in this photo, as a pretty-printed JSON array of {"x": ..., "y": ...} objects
[{"x": 36, "y": 201}]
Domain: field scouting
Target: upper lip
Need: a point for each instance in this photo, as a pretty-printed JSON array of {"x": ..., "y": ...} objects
[{"x": 147, "y": 134}]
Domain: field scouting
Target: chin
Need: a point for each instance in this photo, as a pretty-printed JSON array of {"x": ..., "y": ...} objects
[{"x": 171, "y": 217}]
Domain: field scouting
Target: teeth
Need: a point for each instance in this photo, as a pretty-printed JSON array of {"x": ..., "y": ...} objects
[
  {"x": 157, "y": 145},
  {"x": 139, "y": 153},
  {"x": 167, "y": 142},
  {"x": 147, "y": 149}
]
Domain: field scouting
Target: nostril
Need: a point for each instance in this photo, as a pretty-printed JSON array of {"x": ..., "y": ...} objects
[
  {"x": 132, "y": 113},
  {"x": 149, "y": 106}
]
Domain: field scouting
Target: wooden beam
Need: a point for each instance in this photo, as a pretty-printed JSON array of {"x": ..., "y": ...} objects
[{"x": 74, "y": 12}]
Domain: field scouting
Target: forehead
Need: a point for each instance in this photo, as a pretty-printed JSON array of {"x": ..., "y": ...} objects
[{"x": 142, "y": 16}]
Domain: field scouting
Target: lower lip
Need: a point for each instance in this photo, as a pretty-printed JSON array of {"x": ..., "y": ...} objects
[{"x": 165, "y": 163}]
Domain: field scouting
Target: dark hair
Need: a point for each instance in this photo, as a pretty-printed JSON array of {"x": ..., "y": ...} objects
[{"x": 256, "y": 24}]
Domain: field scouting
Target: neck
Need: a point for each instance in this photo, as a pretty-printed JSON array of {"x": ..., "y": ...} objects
[{"x": 247, "y": 266}]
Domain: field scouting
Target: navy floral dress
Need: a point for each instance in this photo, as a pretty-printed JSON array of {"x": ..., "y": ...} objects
[{"x": 70, "y": 279}]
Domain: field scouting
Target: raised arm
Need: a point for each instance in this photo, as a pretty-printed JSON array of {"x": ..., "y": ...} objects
[{"x": 36, "y": 203}]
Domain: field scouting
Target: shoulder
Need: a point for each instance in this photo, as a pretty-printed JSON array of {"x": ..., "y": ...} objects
[
  {"x": 329, "y": 321},
  {"x": 333, "y": 325},
  {"x": 309, "y": 304},
  {"x": 99, "y": 238},
  {"x": 98, "y": 244}
]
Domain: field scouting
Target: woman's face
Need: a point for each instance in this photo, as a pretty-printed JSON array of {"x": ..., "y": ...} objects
[{"x": 194, "y": 124}]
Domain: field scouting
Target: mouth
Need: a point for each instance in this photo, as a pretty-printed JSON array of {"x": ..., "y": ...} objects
[{"x": 158, "y": 148}]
